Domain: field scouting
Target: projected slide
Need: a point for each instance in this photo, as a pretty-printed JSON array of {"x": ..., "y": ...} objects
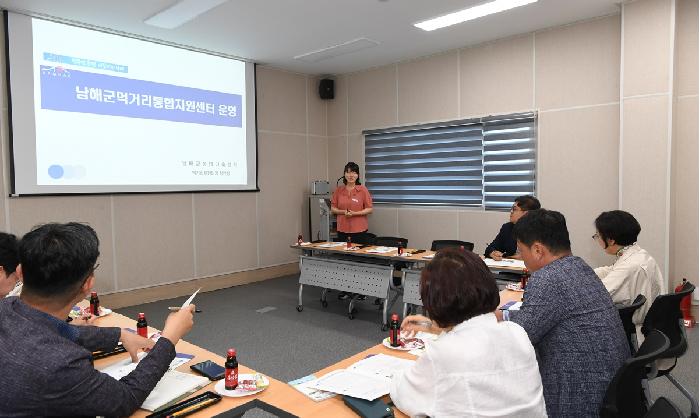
[{"x": 117, "y": 112}]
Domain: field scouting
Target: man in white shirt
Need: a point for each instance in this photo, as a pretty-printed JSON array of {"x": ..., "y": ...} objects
[
  {"x": 634, "y": 272},
  {"x": 478, "y": 366}
]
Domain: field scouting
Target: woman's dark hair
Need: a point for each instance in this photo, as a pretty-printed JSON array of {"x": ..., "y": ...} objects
[
  {"x": 527, "y": 202},
  {"x": 351, "y": 166},
  {"x": 617, "y": 225},
  {"x": 9, "y": 252},
  {"x": 57, "y": 259},
  {"x": 545, "y": 226},
  {"x": 457, "y": 286}
]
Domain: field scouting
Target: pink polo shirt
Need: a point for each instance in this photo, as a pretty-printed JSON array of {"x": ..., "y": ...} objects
[{"x": 356, "y": 199}]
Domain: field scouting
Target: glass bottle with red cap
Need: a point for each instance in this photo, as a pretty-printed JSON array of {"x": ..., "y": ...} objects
[
  {"x": 142, "y": 325},
  {"x": 94, "y": 304},
  {"x": 231, "y": 365}
]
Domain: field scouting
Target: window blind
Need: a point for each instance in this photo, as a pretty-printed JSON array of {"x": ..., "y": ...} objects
[
  {"x": 483, "y": 162},
  {"x": 428, "y": 164},
  {"x": 510, "y": 153}
]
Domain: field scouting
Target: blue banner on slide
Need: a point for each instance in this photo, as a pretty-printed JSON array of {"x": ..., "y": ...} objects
[{"x": 83, "y": 92}]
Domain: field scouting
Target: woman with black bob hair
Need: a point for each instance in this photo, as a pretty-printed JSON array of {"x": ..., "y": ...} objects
[
  {"x": 635, "y": 271},
  {"x": 478, "y": 366}
]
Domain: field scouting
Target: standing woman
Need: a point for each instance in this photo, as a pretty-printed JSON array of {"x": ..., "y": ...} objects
[{"x": 351, "y": 203}]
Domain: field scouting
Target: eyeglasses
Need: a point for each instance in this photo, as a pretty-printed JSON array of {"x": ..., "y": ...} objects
[
  {"x": 595, "y": 236},
  {"x": 515, "y": 208}
]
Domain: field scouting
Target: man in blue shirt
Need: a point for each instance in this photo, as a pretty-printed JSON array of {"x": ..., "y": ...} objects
[
  {"x": 504, "y": 244},
  {"x": 569, "y": 317},
  {"x": 46, "y": 362}
]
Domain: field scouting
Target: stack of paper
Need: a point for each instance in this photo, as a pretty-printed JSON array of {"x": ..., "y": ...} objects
[
  {"x": 332, "y": 245},
  {"x": 367, "y": 379},
  {"x": 382, "y": 250},
  {"x": 304, "y": 385},
  {"x": 172, "y": 386},
  {"x": 506, "y": 262}
]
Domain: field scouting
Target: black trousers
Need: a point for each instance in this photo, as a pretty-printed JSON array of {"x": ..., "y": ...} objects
[{"x": 355, "y": 237}]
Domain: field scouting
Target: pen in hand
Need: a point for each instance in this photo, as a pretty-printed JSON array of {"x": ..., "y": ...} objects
[{"x": 177, "y": 308}]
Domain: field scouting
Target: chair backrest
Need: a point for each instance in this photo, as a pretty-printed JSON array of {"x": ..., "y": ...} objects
[
  {"x": 624, "y": 397},
  {"x": 665, "y": 315},
  {"x": 391, "y": 242},
  {"x": 366, "y": 238},
  {"x": 663, "y": 408},
  {"x": 626, "y": 312},
  {"x": 439, "y": 244}
]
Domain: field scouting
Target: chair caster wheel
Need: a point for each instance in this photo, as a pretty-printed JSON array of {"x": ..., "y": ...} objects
[
  {"x": 300, "y": 308},
  {"x": 324, "y": 303},
  {"x": 351, "y": 316}
]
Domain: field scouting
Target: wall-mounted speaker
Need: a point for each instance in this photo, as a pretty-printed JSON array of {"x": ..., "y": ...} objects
[{"x": 326, "y": 90}]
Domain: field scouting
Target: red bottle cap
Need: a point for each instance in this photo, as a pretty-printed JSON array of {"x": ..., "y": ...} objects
[
  {"x": 142, "y": 315},
  {"x": 394, "y": 317},
  {"x": 231, "y": 352},
  {"x": 93, "y": 294}
]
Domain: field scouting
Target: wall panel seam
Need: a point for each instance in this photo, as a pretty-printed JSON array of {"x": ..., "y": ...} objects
[
  {"x": 620, "y": 159},
  {"x": 564, "y": 109},
  {"x": 265, "y": 131},
  {"x": 114, "y": 243},
  {"x": 669, "y": 142},
  {"x": 195, "y": 268},
  {"x": 644, "y": 96}
]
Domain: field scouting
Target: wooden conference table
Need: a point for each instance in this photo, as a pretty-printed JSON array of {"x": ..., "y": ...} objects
[
  {"x": 364, "y": 270},
  {"x": 278, "y": 394}
]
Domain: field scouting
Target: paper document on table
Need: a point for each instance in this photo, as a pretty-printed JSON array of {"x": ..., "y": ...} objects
[
  {"x": 346, "y": 382},
  {"x": 123, "y": 367},
  {"x": 172, "y": 386},
  {"x": 381, "y": 365},
  {"x": 305, "y": 386},
  {"x": 381, "y": 250},
  {"x": 188, "y": 301},
  {"x": 506, "y": 262},
  {"x": 331, "y": 245}
]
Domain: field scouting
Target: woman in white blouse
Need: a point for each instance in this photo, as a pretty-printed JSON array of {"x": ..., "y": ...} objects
[
  {"x": 478, "y": 366},
  {"x": 634, "y": 272}
]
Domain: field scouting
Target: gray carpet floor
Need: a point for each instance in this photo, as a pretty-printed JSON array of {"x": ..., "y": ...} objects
[{"x": 261, "y": 322}]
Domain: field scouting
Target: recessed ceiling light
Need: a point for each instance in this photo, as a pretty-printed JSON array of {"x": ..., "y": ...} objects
[
  {"x": 471, "y": 13},
  {"x": 337, "y": 50},
  {"x": 181, "y": 13}
]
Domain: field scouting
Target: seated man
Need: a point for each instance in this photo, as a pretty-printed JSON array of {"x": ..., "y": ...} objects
[
  {"x": 504, "y": 243},
  {"x": 9, "y": 259},
  {"x": 46, "y": 363},
  {"x": 635, "y": 271},
  {"x": 569, "y": 317}
]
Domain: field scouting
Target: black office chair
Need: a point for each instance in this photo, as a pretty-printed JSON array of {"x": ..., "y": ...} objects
[
  {"x": 391, "y": 242},
  {"x": 398, "y": 266},
  {"x": 626, "y": 312},
  {"x": 663, "y": 408},
  {"x": 365, "y": 238},
  {"x": 665, "y": 315},
  {"x": 625, "y": 395},
  {"x": 439, "y": 244}
]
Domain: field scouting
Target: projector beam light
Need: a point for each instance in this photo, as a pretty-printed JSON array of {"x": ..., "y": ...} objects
[{"x": 471, "y": 13}]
